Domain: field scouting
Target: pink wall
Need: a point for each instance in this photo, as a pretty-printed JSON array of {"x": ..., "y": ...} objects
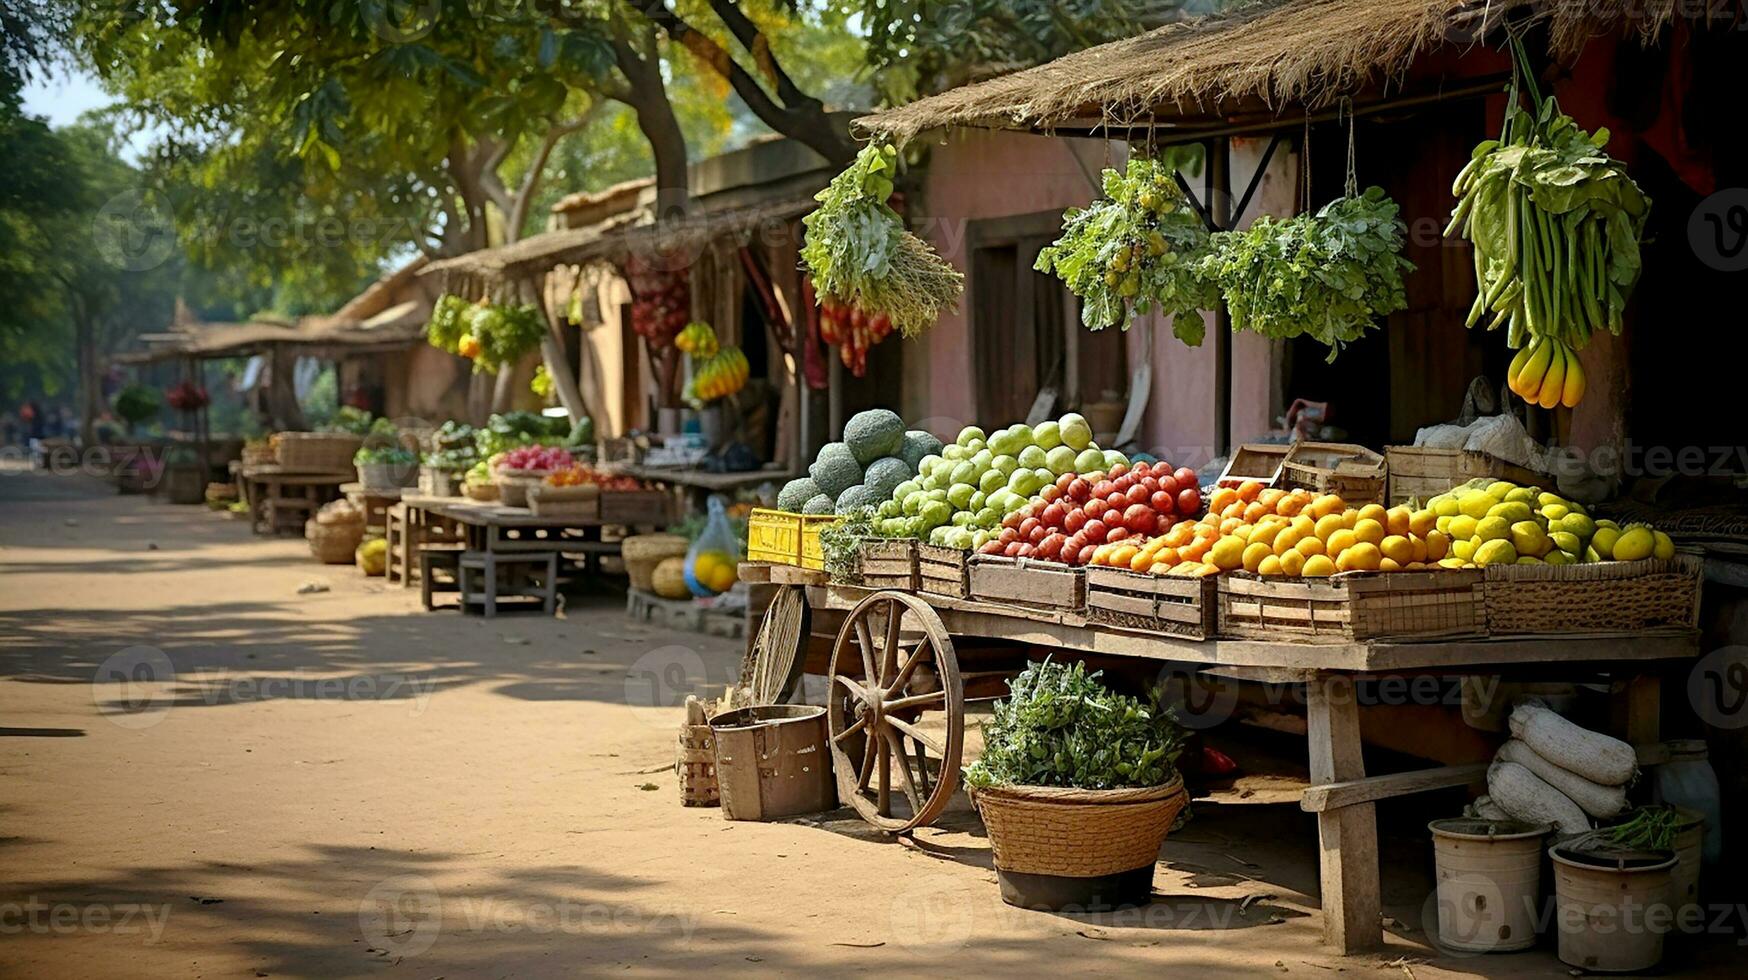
[{"x": 978, "y": 174}]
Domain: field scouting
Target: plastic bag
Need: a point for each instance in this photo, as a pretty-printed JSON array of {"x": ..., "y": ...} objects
[{"x": 712, "y": 563}]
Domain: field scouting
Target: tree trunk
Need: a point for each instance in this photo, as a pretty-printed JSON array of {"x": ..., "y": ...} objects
[
  {"x": 282, "y": 392},
  {"x": 90, "y": 375},
  {"x": 647, "y": 96}
]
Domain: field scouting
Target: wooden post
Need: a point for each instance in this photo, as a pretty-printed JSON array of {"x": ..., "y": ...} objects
[
  {"x": 1347, "y": 838},
  {"x": 1219, "y": 201},
  {"x": 564, "y": 380}
]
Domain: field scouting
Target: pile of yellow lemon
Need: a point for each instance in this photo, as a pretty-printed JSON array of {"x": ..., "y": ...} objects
[
  {"x": 1496, "y": 522},
  {"x": 715, "y": 571}
]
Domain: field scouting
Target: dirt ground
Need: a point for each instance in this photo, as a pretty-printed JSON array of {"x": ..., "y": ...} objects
[{"x": 204, "y": 772}]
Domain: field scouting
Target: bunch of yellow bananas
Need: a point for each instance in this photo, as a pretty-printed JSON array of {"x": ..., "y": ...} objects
[
  {"x": 721, "y": 375},
  {"x": 1546, "y": 372}
]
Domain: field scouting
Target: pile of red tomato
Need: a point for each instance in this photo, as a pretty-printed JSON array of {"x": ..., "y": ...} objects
[{"x": 1073, "y": 516}]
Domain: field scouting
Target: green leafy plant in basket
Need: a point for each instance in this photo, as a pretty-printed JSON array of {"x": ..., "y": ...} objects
[{"x": 1060, "y": 726}]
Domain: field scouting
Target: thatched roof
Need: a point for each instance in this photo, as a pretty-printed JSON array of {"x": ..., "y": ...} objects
[
  {"x": 1304, "y": 54},
  {"x": 372, "y": 320},
  {"x": 486, "y": 271}
]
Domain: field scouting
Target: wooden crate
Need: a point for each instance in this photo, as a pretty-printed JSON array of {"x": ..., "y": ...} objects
[
  {"x": 1355, "y": 473},
  {"x": 887, "y": 563},
  {"x": 943, "y": 571},
  {"x": 1422, "y": 472},
  {"x": 1353, "y": 606},
  {"x": 1254, "y": 461},
  {"x": 1606, "y": 597},
  {"x": 636, "y": 508},
  {"x": 1027, "y": 581},
  {"x": 1174, "y": 604}
]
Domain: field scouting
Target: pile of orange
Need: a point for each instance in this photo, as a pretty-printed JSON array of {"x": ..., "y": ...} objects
[{"x": 1271, "y": 531}]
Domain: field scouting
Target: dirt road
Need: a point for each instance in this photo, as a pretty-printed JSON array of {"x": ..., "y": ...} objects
[{"x": 204, "y": 772}]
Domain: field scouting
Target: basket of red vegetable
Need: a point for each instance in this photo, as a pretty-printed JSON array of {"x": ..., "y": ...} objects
[{"x": 520, "y": 469}]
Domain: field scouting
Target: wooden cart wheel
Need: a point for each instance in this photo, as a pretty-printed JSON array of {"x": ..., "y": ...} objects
[{"x": 879, "y": 688}]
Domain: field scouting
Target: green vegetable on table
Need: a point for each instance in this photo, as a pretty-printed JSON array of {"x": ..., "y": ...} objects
[
  {"x": 1135, "y": 251},
  {"x": 1328, "y": 276},
  {"x": 860, "y": 254},
  {"x": 1059, "y": 726}
]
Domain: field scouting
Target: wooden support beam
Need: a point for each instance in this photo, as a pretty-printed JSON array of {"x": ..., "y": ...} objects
[
  {"x": 1347, "y": 838},
  {"x": 1334, "y": 796}
]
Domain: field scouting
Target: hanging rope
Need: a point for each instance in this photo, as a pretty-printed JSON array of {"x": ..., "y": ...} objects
[
  {"x": 1305, "y": 166},
  {"x": 1353, "y": 181}
]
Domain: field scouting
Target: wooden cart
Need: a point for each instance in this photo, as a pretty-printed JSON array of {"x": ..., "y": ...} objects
[{"x": 894, "y": 660}]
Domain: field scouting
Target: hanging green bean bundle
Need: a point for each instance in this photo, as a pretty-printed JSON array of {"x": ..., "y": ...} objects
[{"x": 1556, "y": 224}]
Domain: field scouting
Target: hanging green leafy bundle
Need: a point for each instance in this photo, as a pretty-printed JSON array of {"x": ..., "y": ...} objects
[
  {"x": 1135, "y": 251},
  {"x": 1328, "y": 276},
  {"x": 1556, "y": 224},
  {"x": 860, "y": 254},
  {"x": 490, "y": 335},
  {"x": 448, "y": 323},
  {"x": 506, "y": 334}
]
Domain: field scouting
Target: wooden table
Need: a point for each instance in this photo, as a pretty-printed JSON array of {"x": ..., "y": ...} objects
[
  {"x": 1341, "y": 794},
  {"x": 695, "y": 485},
  {"x": 496, "y": 527},
  {"x": 270, "y": 490}
]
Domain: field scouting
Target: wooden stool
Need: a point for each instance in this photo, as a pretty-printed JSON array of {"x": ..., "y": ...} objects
[
  {"x": 488, "y": 564},
  {"x": 441, "y": 559},
  {"x": 394, "y": 531}
]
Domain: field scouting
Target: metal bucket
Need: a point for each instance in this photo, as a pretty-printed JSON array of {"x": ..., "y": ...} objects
[
  {"x": 771, "y": 762},
  {"x": 1489, "y": 881},
  {"x": 1612, "y": 914}
]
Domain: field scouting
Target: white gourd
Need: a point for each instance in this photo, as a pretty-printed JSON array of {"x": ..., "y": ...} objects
[
  {"x": 1593, "y": 755},
  {"x": 1593, "y": 798},
  {"x": 1526, "y": 796}
]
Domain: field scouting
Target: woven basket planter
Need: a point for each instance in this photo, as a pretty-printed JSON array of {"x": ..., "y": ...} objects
[
  {"x": 643, "y": 552},
  {"x": 696, "y": 766},
  {"x": 513, "y": 486},
  {"x": 333, "y": 544},
  {"x": 1077, "y": 849},
  {"x": 316, "y": 452}
]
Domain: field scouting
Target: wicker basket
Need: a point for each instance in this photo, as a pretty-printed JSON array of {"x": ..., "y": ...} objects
[
  {"x": 482, "y": 492},
  {"x": 513, "y": 487},
  {"x": 259, "y": 456},
  {"x": 316, "y": 452},
  {"x": 1606, "y": 597},
  {"x": 643, "y": 552},
  {"x": 696, "y": 766},
  {"x": 580, "y": 501},
  {"x": 1078, "y": 833},
  {"x": 333, "y": 544},
  {"x": 436, "y": 482}
]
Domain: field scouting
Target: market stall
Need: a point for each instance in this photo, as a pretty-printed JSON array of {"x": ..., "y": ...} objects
[{"x": 1313, "y": 565}]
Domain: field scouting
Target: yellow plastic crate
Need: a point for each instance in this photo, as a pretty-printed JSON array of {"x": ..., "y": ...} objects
[
  {"x": 811, "y": 554},
  {"x": 774, "y": 536},
  {"x": 786, "y": 539}
]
